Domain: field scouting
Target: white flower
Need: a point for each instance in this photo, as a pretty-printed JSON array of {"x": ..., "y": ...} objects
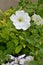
[
  {"x": 21, "y": 20},
  {"x": 37, "y": 19},
  {"x": 20, "y": 60}
]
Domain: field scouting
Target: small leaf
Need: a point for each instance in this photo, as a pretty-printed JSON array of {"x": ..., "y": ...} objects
[{"x": 18, "y": 49}]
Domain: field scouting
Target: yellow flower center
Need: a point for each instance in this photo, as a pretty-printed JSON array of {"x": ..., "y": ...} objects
[
  {"x": 37, "y": 20},
  {"x": 20, "y": 19}
]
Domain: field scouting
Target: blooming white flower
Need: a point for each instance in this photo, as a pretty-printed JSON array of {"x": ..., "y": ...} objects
[
  {"x": 37, "y": 19},
  {"x": 21, "y": 20},
  {"x": 20, "y": 60}
]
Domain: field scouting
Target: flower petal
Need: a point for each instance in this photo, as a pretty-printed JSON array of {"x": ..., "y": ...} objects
[
  {"x": 37, "y": 19},
  {"x": 12, "y": 57},
  {"x": 17, "y": 26},
  {"x": 13, "y": 17},
  {"x": 40, "y": 22},
  {"x": 8, "y": 63},
  {"x": 25, "y": 26},
  {"x": 18, "y": 13},
  {"x": 29, "y": 58},
  {"x": 22, "y": 61},
  {"x": 22, "y": 56}
]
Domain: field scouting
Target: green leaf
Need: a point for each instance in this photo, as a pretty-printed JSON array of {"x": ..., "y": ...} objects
[
  {"x": 40, "y": 10},
  {"x": 40, "y": 2},
  {"x": 34, "y": 63},
  {"x": 14, "y": 38},
  {"x": 18, "y": 49},
  {"x": 22, "y": 42}
]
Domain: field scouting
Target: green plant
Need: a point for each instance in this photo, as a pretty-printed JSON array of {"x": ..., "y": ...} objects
[{"x": 17, "y": 42}]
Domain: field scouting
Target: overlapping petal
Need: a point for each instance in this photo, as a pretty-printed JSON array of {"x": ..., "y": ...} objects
[{"x": 37, "y": 19}]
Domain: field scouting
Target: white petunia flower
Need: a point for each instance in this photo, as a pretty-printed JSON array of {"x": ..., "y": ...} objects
[
  {"x": 37, "y": 19},
  {"x": 21, "y": 60},
  {"x": 21, "y": 20}
]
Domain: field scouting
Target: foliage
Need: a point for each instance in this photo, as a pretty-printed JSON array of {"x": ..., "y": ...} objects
[
  {"x": 40, "y": 2},
  {"x": 17, "y": 42}
]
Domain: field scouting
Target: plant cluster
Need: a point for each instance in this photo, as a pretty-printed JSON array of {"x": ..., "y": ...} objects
[{"x": 16, "y": 42}]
